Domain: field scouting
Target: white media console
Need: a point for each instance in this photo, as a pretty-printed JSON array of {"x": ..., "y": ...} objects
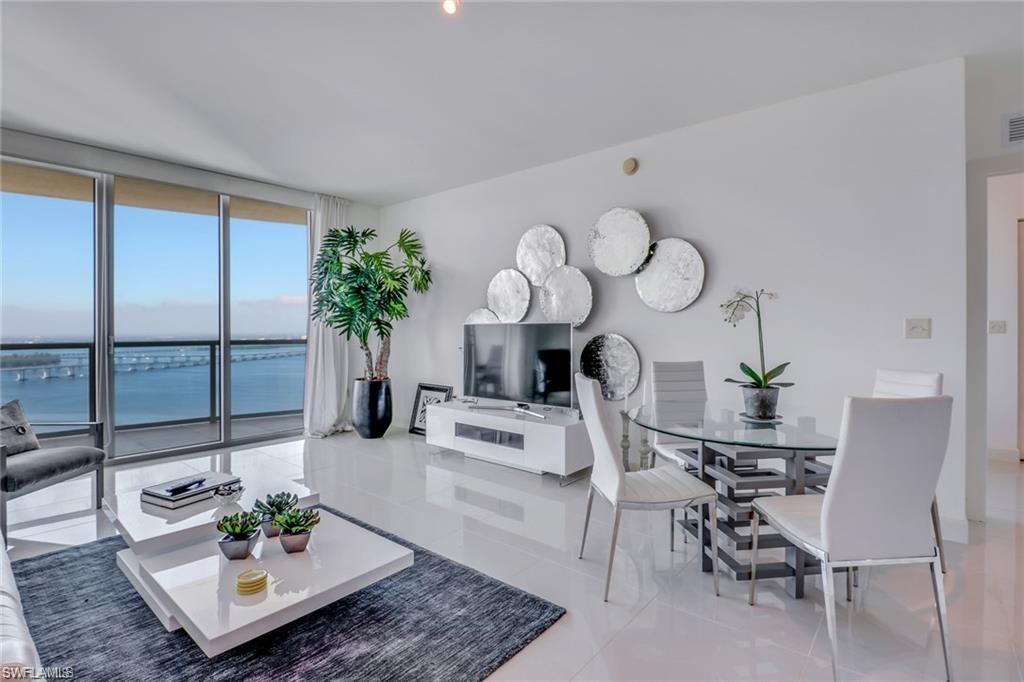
[{"x": 556, "y": 444}]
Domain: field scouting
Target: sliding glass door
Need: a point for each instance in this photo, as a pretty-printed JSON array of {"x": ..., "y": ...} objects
[
  {"x": 136, "y": 303},
  {"x": 269, "y": 278},
  {"x": 166, "y": 316},
  {"x": 47, "y": 307}
]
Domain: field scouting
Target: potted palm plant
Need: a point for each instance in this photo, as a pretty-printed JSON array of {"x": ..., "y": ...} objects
[
  {"x": 271, "y": 507},
  {"x": 241, "y": 531},
  {"x": 361, "y": 293},
  {"x": 296, "y": 525},
  {"x": 760, "y": 390}
]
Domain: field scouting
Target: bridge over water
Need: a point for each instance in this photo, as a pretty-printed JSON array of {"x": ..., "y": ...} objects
[{"x": 77, "y": 365}]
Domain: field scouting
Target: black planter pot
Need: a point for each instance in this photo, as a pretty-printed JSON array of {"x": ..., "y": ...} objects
[{"x": 371, "y": 407}]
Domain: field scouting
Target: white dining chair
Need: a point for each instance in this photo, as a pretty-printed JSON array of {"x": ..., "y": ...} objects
[
  {"x": 664, "y": 487},
  {"x": 898, "y": 383},
  {"x": 678, "y": 394},
  {"x": 875, "y": 508}
]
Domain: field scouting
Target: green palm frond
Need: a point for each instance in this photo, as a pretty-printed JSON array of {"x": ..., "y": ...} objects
[
  {"x": 361, "y": 291},
  {"x": 409, "y": 244}
]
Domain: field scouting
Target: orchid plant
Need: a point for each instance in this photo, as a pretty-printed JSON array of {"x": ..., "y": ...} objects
[{"x": 735, "y": 309}]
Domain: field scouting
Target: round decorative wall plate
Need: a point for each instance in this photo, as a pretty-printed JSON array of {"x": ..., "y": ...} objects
[
  {"x": 613, "y": 361},
  {"x": 673, "y": 277},
  {"x": 619, "y": 242},
  {"x": 508, "y": 295},
  {"x": 540, "y": 250},
  {"x": 482, "y": 316},
  {"x": 566, "y": 296}
]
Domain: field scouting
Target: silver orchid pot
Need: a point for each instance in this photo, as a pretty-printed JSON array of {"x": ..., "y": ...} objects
[
  {"x": 238, "y": 549},
  {"x": 761, "y": 403},
  {"x": 294, "y": 542},
  {"x": 269, "y": 529}
]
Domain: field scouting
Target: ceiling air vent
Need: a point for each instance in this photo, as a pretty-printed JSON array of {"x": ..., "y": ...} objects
[{"x": 1015, "y": 128}]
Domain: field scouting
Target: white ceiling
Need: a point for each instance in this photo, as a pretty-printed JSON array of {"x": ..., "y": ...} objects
[{"x": 382, "y": 102}]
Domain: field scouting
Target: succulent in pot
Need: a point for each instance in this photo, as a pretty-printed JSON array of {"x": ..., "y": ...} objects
[
  {"x": 275, "y": 504},
  {"x": 296, "y": 526},
  {"x": 760, "y": 390},
  {"x": 241, "y": 531}
]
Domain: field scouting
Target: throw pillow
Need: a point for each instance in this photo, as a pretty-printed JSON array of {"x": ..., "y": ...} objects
[{"x": 16, "y": 433}]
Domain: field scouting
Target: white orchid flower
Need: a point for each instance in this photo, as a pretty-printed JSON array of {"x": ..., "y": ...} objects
[{"x": 735, "y": 310}]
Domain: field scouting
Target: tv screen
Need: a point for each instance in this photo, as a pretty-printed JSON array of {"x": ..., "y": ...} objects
[{"x": 527, "y": 363}]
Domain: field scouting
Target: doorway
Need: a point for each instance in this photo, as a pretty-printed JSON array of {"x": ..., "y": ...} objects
[{"x": 1005, "y": 391}]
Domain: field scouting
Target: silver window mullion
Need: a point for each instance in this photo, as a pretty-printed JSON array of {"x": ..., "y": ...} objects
[
  {"x": 225, "y": 318},
  {"x": 104, "y": 308}
]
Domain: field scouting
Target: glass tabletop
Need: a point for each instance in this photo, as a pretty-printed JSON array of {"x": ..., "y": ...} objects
[{"x": 724, "y": 422}]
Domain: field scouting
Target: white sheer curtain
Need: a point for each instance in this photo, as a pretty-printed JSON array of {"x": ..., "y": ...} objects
[{"x": 327, "y": 384}]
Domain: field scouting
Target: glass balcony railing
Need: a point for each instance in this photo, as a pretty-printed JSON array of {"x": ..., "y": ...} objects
[
  {"x": 157, "y": 383},
  {"x": 53, "y": 381}
]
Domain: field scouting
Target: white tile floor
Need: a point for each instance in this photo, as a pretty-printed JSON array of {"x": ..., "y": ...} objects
[{"x": 663, "y": 621}]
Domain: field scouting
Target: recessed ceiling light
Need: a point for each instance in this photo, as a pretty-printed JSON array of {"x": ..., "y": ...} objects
[{"x": 450, "y": 6}]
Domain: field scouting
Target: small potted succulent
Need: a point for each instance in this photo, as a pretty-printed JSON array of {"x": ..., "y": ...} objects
[
  {"x": 241, "y": 531},
  {"x": 760, "y": 390},
  {"x": 296, "y": 525},
  {"x": 271, "y": 507}
]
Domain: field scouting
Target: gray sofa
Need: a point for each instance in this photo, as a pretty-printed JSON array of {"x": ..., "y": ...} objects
[{"x": 17, "y": 650}]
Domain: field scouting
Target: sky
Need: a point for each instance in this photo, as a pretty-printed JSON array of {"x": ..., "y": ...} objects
[{"x": 166, "y": 268}]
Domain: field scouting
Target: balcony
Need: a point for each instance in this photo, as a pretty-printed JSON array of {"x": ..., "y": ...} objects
[{"x": 166, "y": 392}]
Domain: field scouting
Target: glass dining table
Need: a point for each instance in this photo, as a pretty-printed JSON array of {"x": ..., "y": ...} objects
[{"x": 743, "y": 459}]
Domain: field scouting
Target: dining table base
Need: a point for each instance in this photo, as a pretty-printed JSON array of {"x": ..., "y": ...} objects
[{"x": 741, "y": 475}]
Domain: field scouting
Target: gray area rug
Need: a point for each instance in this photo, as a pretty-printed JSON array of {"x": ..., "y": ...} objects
[{"x": 437, "y": 620}]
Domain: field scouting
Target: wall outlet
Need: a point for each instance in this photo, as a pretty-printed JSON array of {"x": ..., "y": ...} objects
[
  {"x": 918, "y": 328},
  {"x": 997, "y": 326}
]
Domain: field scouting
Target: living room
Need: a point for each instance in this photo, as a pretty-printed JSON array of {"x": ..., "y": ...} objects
[{"x": 512, "y": 340}]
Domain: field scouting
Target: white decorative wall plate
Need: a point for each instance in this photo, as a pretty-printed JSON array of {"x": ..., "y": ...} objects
[
  {"x": 482, "y": 316},
  {"x": 619, "y": 242},
  {"x": 674, "y": 276},
  {"x": 508, "y": 295},
  {"x": 566, "y": 296},
  {"x": 540, "y": 250}
]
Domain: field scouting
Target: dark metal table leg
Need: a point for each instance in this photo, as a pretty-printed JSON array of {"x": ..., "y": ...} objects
[
  {"x": 796, "y": 558},
  {"x": 704, "y": 457}
]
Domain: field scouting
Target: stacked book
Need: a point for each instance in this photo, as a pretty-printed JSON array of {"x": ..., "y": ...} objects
[{"x": 189, "y": 490}]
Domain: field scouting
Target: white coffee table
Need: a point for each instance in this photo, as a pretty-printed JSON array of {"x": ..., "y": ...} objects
[
  {"x": 175, "y": 565},
  {"x": 199, "y": 583},
  {"x": 148, "y": 528}
]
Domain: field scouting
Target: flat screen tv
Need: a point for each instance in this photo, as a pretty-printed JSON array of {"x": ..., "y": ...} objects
[{"x": 525, "y": 363}]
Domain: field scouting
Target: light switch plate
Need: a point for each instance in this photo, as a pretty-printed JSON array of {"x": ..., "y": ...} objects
[
  {"x": 997, "y": 326},
  {"x": 918, "y": 328}
]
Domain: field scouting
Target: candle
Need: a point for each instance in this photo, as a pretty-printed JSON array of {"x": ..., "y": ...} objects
[{"x": 625, "y": 394}]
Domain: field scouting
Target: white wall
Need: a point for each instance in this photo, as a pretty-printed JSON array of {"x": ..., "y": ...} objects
[
  {"x": 1005, "y": 208},
  {"x": 362, "y": 215},
  {"x": 849, "y": 203}
]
